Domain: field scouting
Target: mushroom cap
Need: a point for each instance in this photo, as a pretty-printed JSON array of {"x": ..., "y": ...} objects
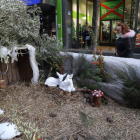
[{"x": 97, "y": 93}]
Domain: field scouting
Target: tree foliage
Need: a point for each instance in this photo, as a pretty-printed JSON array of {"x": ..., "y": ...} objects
[{"x": 19, "y": 24}]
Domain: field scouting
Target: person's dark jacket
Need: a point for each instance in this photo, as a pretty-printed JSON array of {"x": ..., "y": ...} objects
[
  {"x": 124, "y": 46},
  {"x": 84, "y": 34}
]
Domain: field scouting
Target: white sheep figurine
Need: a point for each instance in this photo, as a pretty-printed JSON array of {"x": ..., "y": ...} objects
[
  {"x": 8, "y": 131},
  {"x": 51, "y": 81},
  {"x": 67, "y": 84},
  {"x": 1, "y": 112}
]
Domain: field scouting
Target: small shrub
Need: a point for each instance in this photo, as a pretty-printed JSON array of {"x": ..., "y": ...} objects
[
  {"x": 132, "y": 93},
  {"x": 131, "y": 86},
  {"x": 99, "y": 62},
  {"x": 85, "y": 70},
  {"x": 48, "y": 56}
]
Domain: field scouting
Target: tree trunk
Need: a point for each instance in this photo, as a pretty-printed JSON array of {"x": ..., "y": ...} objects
[{"x": 96, "y": 5}]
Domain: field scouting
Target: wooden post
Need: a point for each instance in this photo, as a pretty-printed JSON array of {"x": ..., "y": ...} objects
[{"x": 9, "y": 75}]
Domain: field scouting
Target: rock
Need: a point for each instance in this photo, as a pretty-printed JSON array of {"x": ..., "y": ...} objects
[
  {"x": 75, "y": 137},
  {"x": 87, "y": 95},
  {"x": 107, "y": 137},
  {"x": 52, "y": 115},
  {"x": 85, "y": 100},
  {"x": 64, "y": 138},
  {"x": 45, "y": 138},
  {"x": 88, "y": 100},
  {"x": 110, "y": 120},
  {"x": 94, "y": 138}
]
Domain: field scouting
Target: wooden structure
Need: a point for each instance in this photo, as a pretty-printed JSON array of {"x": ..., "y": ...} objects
[{"x": 20, "y": 70}]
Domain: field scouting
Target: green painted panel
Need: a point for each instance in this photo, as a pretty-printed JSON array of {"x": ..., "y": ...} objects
[
  {"x": 50, "y": 2},
  {"x": 112, "y": 10},
  {"x": 59, "y": 18},
  {"x": 81, "y": 16},
  {"x": 74, "y": 14}
]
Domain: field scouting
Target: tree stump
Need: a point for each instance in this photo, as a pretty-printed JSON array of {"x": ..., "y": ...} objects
[{"x": 96, "y": 102}]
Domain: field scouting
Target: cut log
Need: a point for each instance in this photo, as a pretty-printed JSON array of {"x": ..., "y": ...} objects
[{"x": 96, "y": 102}]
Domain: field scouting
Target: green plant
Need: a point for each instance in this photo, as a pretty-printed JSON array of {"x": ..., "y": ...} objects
[
  {"x": 73, "y": 29},
  {"x": 29, "y": 130},
  {"x": 85, "y": 70},
  {"x": 99, "y": 62},
  {"x": 19, "y": 24},
  {"x": 49, "y": 57},
  {"x": 132, "y": 93},
  {"x": 85, "y": 119},
  {"x": 131, "y": 86}
]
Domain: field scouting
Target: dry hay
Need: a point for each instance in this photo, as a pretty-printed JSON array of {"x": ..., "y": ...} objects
[{"x": 58, "y": 116}]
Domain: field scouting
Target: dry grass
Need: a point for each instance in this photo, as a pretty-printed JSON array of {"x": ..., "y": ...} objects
[{"x": 57, "y": 116}]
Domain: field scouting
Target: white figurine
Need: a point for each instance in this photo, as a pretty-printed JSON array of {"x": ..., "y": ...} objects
[
  {"x": 1, "y": 111},
  {"x": 51, "y": 81},
  {"x": 8, "y": 131},
  {"x": 67, "y": 84}
]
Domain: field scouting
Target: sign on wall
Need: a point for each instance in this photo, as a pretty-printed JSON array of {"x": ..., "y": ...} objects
[{"x": 112, "y": 10}]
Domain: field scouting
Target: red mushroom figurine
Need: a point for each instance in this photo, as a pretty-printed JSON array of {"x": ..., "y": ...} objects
[{"x": 96, "y": 100}]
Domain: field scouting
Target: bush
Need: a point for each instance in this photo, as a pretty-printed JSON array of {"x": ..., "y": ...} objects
[
  {"x": 131, "y": 87},
  {"x": 132, "y": 93},
  {"x": 48, "y": 57},
  {"x": 86, "y": 71}
]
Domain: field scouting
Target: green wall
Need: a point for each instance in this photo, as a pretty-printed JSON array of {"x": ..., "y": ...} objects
[
  {"x": 59, "y": 17},
  {"x": 81, "y": 16}
]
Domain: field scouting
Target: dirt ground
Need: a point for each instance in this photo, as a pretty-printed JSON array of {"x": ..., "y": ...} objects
[{"x": 41, "y": 111}]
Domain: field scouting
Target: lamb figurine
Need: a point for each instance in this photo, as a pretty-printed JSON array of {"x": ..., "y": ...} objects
[
  {"x": 51, "y": 81},
  {"x": 1, "y": 112},
  {"x": 8, "y": 131},
  {"x": 67, "y": 84}
]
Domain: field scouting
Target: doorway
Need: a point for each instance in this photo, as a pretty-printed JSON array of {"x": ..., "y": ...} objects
[{"x": 107, "y": 32}]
